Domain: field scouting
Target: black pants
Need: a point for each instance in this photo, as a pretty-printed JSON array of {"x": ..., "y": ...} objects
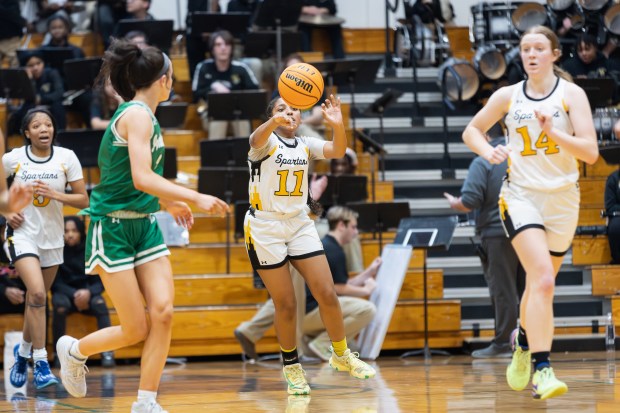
[
  {"x": 506, "y": 280},
  {"x": 613, "y": 235},
  {"x": 7, "y": 307},
  {"x": 63, "y": 306}
]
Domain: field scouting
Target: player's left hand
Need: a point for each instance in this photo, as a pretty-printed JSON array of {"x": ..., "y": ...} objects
[
  {"x": 331, "y": 111},
  {"x": 181, "y": 212},
  {"x": 43, "y": 189}
]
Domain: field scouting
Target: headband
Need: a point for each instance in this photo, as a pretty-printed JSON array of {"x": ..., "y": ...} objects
[{"x": 165, "y": 67}]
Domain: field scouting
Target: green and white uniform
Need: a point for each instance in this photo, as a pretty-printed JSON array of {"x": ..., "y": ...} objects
[{"x": 123, "y": 231}]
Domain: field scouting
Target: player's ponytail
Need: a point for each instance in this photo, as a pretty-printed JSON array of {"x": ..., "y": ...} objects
[{"x": 130, "y": 68}]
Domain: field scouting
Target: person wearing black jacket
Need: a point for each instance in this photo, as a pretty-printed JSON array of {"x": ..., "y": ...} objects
[
  {"x": 612, "y": 208},
  {"x": 11, "y": 27},
  {"x": 74, "y": 290},
  {"x": 49, "y": 91}
]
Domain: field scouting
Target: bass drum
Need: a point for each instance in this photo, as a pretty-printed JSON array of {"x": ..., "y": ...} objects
[
  {"x": 528, "y": 15},
  {"x": 424, "y": 48},
  {"x": 461, "y": 76},
  {"x": 489, "y": 62}
]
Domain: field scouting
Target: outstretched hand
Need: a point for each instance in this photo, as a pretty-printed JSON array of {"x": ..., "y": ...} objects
[
  {"x": 20, "y": 196},
  {"x": 212, "y": 205},
  {"x": 181, "y": 212},
  {"x": 331, "y": 111}
]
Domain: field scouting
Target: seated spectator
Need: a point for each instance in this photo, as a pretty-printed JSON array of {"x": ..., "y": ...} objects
[
  {"x": 222, "y": 74},
  {"x": 589, "y": 61},
  {"x": 49, "y": 91},
  {"x": 104, "y": 104},
  {"x": 11, "y": 26},
  {"x": 612, "y": 209},
  {"x": 138, "y": 38},
  {"x": 320, "y": 8},
  {"x": 75, "y": 291},
  {"x": 58, "y": 30},
  {"x": 12, "y": 289},
  {"x": 48, "y": 8},
  {"x": 108, "y": 13},
  {"x": 139, "y": 9}
]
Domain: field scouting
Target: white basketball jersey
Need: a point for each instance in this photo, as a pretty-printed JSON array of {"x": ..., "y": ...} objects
[
  {"x": 43, "y": 220},
  {"x": 279, "y": 173},
  {"x": 536, "y": 161}
]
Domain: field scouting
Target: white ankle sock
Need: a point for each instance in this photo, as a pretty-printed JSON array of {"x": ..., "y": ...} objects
[
  {"x": 146, "y": 395},
  {"x": 75, "y": 351},
  {"x": 39, "y": 354},
  {"x": 24, "y": 349}
]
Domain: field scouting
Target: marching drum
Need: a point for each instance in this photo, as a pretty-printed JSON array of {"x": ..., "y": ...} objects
[
  {"x": 593, "y": 5},
  {"x": 491, "y": 23},
  {"x": 560, "y": 5},
  {"x": 612, "y": 19},
  {"x": 528, "y": 15},
  {"x": 424, "y": 48},
  {"x": 604, "y": 121},
  {"x": 490, "y": 62},
  {"x": 466, "y": 79}
]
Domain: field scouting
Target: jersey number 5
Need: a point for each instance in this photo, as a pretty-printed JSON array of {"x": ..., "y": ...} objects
[
  {"x": 543, "y": 142},
  {"x": 40, "y": 201},
  {"x": 299, "y": 176}
]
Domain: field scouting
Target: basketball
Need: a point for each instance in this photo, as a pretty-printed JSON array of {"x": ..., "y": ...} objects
[{"x": 301, "y": 85}]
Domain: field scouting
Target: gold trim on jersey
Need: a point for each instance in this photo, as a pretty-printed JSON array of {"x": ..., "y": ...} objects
[
  {"x": 503, "y": 207},
  {"x": 255, "y": 200}
]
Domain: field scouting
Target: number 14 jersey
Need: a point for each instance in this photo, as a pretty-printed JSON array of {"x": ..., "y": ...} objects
[{"x": 536, "y": 161}]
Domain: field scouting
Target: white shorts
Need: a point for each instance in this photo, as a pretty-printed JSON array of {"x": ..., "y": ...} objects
[
  {"x": 21, "y": 247},
  {"x": 555, "y": 212},
  {"x": 272, "y": 240}
]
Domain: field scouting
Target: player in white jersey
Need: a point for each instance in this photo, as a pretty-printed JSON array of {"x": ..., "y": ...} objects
[
  {"x": 278, "y": 229},
  {"x": 550, "y": 127},
  {"x": 35, "y": 236}
]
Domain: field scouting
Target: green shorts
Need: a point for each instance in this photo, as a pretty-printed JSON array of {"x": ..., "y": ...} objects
[{"x": 118, "y": 244}]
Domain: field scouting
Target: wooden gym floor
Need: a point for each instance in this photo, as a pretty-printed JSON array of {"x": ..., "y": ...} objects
[{"x": 446, "y": 384}]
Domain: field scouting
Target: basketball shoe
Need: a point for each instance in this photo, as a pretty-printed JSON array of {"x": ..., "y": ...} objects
[
  {"x": 147, "y": 406},
  {"x": 296, "y": 379},
  {"x": 520, "y": 368},
  {"x": 43, "y": 376},
  {"x": 298, "y": 404},
  {"x": 72, "y": 370},
  {"x": 351, "y": 362},
  {"x": 19, "y": 371},
  {"x": 545, "y": 385}
]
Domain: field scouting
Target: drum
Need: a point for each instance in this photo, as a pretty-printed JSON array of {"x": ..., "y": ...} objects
[
  {"x": 491, "y": 23},
  {"x": 528, "y": 15},
  {"x": 612, "y": 19},
  {"x": 458, "y": 74},
  {"x": 593, "y": 5},
  {"x": 604, "y": 121},
  {"x": 489, "y": 61},
  {"x": 425, "y": 47},
  {"x": 560, "y": 5}
]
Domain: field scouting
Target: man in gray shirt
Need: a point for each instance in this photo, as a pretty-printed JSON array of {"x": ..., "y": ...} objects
[{"x": 500, "y": 264}]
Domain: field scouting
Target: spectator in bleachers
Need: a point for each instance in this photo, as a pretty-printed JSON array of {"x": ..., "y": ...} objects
[
  {"x": 502, "y": 271},
  {"x": 321, "y": 8},
  {"x": 75, "y": 291},
  {"x": 139, "y": 9},
  {"x": 589, "y": 62},
  {"x": 59, "y": 28},
  {"x": 108, "y": 13},
  {"x": 612, "y": 209},
  {"x": 11, "y": 27},
  {"x": 222, "y": 74},
  {"x": 12, "y": 288},
  {"x": 104, "y": 104},
  {"x": 49, "y": 91},
  {"x": 138, "y": 38},
  {"x": 48, "y": 8},
  {"x": 241, "y": 6}
]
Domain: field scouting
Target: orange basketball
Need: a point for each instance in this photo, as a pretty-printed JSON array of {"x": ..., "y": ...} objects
[{"x": 301, "y": 85}]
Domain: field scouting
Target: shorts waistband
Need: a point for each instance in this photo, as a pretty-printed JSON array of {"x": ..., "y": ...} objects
[
  {"x": 274, "y": 216},
  {"x": 122, "y": 214}
]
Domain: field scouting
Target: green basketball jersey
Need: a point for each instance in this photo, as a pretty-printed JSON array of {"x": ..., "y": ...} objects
[{"x": 116, "y": 190}]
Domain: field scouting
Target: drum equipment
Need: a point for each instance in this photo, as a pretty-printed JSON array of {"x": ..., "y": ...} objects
[
  {"x": 560, "y": 5},
  {"x": 612, "y": 19},
  {"x": 604, "y": 121},
  {"x": 528, "y": 15},
  {"x": 459, "y": 75},
  {"x": 489, "y": 61},
  {"x": 593, "y": 5},
  {"x": 425, "y": 46},
  {"x": 491, "y": 23}
]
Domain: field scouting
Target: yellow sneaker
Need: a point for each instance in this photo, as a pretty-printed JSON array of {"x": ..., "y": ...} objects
[
  {"x": 296, "y": 379},
  {"x": 545, "y": 385},
  {"x": 351, "y": 362},
  {"x": 520, "y": 368}
]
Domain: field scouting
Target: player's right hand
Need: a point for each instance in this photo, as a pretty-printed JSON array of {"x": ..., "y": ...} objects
[
  {"x": 212, "y": 205},
  {"x": 20, "y": 196},
  {"x": 497, "y": 155}
]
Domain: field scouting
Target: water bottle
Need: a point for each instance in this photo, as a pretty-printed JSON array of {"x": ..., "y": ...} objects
[{"x": 610, "y": 336}]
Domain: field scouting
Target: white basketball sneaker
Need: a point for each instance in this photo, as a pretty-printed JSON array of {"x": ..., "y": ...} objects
[{"x": 72, "y": 370}]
